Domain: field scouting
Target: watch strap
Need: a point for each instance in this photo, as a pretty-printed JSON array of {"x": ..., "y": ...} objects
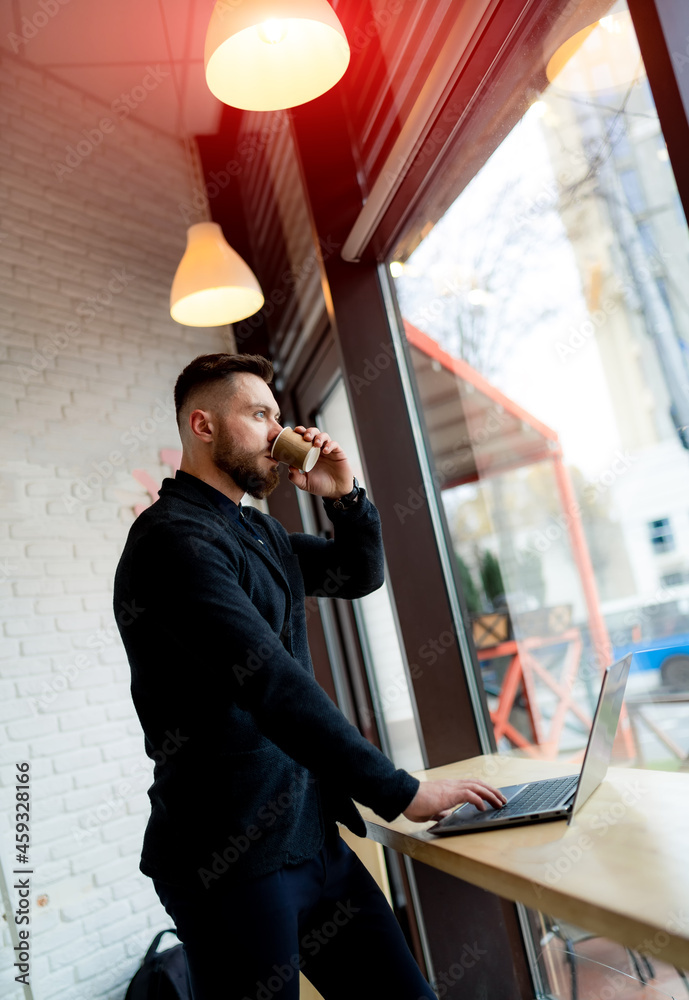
[{"x": 349, "y": 499}]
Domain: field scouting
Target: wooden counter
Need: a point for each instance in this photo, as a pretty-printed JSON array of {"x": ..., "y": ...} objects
[{"x": 620, "y": 870}]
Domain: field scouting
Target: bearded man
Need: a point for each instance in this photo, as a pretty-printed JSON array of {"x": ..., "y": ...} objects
[{"x": 254, "y": 764}]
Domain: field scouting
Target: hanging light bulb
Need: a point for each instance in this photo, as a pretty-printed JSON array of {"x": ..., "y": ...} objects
[
  {"x": 212, "y": 285},
  {"x": 602, "y": 56},
  {"x": 266, "y": 55},
  {"x": 272, "y": 31}
]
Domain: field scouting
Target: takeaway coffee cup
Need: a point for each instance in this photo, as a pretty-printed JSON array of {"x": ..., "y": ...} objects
[{"x": 291, "y": 448}]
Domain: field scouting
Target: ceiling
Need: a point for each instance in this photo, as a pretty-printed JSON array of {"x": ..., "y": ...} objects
[{"x": 116, "y": 50}]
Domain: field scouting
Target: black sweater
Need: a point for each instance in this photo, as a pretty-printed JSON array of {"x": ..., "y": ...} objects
[{"x": 253, "y": 761}]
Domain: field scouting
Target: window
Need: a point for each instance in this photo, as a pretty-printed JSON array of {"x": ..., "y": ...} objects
[
  {"x": 661, "y": 536},
  {"x": 385, "y": 664},
  {"x": 552, "y": 406}
]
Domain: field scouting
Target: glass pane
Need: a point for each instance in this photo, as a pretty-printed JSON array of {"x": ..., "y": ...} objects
[
  {"x": 547, "y": 321},
  {"x": 548, "y": 325},
  {"x": 578, "y": 964},
  {"x": 385, "y": 663}
]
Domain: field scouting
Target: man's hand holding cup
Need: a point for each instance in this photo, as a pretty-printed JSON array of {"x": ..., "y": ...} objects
[{"x": 325, "y": 474}]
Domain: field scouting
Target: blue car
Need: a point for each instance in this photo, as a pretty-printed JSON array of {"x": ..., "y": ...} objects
[{"x": 669, "y": 654}]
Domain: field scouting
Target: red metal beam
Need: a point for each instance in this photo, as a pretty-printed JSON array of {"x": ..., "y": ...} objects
[{"x": 469, "y": 375}]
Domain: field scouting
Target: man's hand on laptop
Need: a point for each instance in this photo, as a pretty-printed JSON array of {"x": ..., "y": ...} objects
[{"x": 436, "y": 799}]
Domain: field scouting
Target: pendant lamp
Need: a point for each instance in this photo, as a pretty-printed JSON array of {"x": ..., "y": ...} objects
[
  {"x": 212, "y": 286},
  {"x": 602, "y": 56},
  {"x": 266, "y": 55}
]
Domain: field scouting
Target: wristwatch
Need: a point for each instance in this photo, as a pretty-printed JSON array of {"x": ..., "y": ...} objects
[{"x": 349, "y": 499}]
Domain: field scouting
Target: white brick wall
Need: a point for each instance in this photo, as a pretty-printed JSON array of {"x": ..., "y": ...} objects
[{"x": 79, "y": 381}]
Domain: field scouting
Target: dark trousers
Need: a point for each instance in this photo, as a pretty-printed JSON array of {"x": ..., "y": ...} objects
[{"x": 326, "y": 917}]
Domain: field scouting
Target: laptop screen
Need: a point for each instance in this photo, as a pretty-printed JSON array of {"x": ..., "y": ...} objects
[{"x": 603, "y": 729}]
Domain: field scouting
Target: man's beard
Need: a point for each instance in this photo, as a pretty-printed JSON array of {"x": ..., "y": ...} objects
[{"x": 243, "y": 468}]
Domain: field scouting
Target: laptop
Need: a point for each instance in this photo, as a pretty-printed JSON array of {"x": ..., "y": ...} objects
[{"x": 553, "y": 798}]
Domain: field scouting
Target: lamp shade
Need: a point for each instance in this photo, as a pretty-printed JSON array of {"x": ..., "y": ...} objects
[
  {"x": 602, "y": 56},
  {"x": 265, "y": 55},
  {"x": 212, "y": 285}
]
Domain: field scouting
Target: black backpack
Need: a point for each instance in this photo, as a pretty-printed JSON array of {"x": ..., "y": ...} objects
[{"x": 162, "y": 976}]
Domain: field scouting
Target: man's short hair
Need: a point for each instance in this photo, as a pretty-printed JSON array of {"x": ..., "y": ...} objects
[{"x": 217, "y": 368}]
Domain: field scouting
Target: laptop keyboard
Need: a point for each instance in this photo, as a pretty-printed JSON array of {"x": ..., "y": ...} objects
[{"x": 539, "y": 797}]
